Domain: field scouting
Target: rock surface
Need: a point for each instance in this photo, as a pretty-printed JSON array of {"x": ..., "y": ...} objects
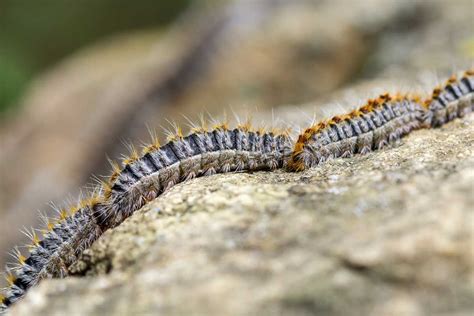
[
  {"x": 389, "y": 233},
  {"x": 80, "y": 111}
]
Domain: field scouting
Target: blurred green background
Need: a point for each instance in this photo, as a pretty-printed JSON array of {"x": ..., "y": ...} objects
[{"x": 36, "y": 34}]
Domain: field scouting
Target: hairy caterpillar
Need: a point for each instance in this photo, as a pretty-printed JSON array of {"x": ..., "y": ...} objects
[
  {"x": 452, "y": 101},
  {"x": 201, "y": 153},
  {"x": 373, "y": 126},
  {"x": 142, "y": 178},
  {"x": 382, "y": 121},
  {"x": 219, "y": 150},
  {"x": 62, "y": 242}
]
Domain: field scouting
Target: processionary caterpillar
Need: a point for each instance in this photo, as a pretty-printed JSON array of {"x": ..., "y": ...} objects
[
  {"x": 373, "y": 126},
  {"x": 382, "y": 121},
  {"x": 142, "y": 178},
  {"x": 220, "y": 149}
]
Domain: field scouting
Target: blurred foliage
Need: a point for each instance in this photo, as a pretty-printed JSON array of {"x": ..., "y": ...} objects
[{"x": 36, "y": 34}]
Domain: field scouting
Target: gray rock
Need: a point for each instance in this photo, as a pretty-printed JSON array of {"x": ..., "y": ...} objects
[{"x": 389, "y": 233}]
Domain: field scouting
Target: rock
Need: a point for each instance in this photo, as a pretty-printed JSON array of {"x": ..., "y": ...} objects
[
  {"x": 83, "y": 108},
  {"x": 389, "y": 233}
]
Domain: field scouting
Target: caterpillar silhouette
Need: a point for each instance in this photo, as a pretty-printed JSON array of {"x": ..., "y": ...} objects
[{"x": 204, "y": 152}]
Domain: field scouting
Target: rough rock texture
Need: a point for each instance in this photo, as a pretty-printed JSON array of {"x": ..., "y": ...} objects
[
  {"x": 389, "y": 233},
  {"x": 83, "y": 109}
]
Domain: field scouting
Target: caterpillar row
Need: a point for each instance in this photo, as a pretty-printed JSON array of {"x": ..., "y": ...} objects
[{"x": 220, "y": 149}]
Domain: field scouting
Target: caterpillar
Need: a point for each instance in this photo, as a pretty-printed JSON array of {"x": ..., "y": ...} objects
[
  {"x": 201, "y": 153},
  {"x": 142, "y": 178},
  {"x": 382, "y": 121},
  {"x": 63, "y": 240},
  {"x": 452, "y": 101},
  {"x": 220, "y": 149}
]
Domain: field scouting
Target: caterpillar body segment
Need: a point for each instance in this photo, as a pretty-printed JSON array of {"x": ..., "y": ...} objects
[
  {"x": 50, "y": 257},
  {"x": 454, "y": 100},
  {"x": 378, "y": 123},
  {"x": 201, "y": 153}
]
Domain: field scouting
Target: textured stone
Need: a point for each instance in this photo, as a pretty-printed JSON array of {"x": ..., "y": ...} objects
[
  {"x": 83, "y": 108},
  {"x": 389, "y": 233}
]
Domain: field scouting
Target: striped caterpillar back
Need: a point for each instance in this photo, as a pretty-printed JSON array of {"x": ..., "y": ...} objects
[
  {"x": 373, "y": 126},
  {"x": 63, "y": 241},
  {"x": 201, "y": 153},
  {"x": 455, "y": 99}
]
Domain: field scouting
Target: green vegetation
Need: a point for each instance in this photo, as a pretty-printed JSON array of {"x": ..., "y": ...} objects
[{"x": 36, "y": 34}]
